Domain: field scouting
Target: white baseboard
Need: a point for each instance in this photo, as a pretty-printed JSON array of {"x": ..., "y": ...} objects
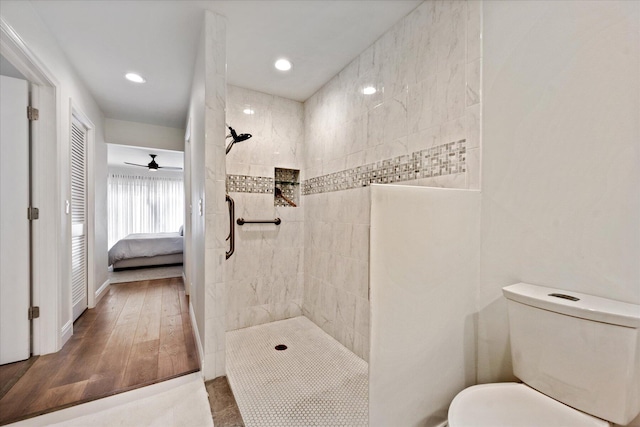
[
  {"x": 102, "y": 290},
  {"x": 66, "y": 332},
  {"x": 194, "y": 325},
  {"x": 187, "y": 288}
]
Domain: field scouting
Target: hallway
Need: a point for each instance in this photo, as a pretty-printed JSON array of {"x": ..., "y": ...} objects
[{"x": 139, "y": 334}]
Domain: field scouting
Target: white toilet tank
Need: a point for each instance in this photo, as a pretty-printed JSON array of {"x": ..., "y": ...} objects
[{"x": 579, "y": 349}]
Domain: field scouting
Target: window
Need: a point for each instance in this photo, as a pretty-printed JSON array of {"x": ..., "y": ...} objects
[{"x": 144, "y": 204}]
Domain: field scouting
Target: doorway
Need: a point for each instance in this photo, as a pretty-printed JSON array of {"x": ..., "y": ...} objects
[
  {"x": 15, "y": 245},
  {"x": 47, "y": 232},
  {"x": 78, "y": 136}
]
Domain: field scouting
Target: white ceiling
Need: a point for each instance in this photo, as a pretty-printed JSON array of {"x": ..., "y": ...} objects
[
  {"x": 158, "y": 39},
  {"x": 118, "y": 154}
]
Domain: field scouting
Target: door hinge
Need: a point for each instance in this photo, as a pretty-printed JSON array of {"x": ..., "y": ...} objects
[
  {"x": 33, "y": 213},
  {"x": 34, "y": 313},
  {"x": 32, "y": 113}
]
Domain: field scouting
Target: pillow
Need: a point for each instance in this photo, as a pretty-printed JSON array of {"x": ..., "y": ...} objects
[{"x": 181, "y": 231}]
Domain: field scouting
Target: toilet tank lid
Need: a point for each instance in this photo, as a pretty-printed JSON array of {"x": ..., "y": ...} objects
[{"x": 575, "y": 304}]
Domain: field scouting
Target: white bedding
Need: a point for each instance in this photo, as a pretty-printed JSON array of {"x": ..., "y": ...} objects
[{"x": 146, "y": 245}]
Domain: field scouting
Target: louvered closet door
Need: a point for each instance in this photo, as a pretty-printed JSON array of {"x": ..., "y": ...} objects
[{"x": 78, "y": 218}]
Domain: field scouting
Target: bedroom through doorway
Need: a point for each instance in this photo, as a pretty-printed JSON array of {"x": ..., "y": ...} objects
[
  {"x": 145, "y": 197},
  {"x": 140, "y": 332}
]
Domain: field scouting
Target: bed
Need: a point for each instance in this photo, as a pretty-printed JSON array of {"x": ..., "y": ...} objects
[{"x": 147, "y": 250}]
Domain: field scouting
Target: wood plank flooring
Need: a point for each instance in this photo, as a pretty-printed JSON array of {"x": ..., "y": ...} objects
[
  {"x": 139, "y": 334},
  {"x": 12, "y": 372}
]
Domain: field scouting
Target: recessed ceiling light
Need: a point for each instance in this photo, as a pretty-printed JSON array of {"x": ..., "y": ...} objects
[
  {"x": 283, "y": 64},
  {"x": 369, "y": 90},
  {"x": 248, "y": 111},
  {"x": 133, "y": 77}
]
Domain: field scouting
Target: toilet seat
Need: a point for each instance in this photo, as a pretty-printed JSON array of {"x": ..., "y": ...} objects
[{"x": 514, "y": 405}]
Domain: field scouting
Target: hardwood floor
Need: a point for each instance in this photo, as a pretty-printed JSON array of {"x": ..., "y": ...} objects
[
  {"x": 138, "y": 334},
  {"x": 12, "y": 372}
]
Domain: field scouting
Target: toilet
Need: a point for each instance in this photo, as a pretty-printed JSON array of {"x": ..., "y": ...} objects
[{"x": 577, "y": 355}]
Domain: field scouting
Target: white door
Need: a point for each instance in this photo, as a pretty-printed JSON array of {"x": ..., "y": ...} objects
[
  {"x": 14, "y": 224},
  {"x": 78, "y": 218}
]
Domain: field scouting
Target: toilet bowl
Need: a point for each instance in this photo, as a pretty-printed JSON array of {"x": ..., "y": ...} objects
[
  {"x": 577, "y": 356},
  {"x": 514, "y": 405}
]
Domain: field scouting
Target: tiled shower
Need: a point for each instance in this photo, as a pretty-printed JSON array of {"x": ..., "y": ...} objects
[
  {"x": 420, "y": 127},
  {"x": 545, "y": 214},
  {"x": 265, "y": 275}
]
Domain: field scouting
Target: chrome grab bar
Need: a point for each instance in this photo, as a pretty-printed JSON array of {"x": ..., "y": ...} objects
[
  {"x": 242, "y": 221},
  {"x": 231, "y": 237}
]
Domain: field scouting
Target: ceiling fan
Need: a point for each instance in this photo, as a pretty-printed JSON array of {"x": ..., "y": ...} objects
[{"x": 153, "y": 165}]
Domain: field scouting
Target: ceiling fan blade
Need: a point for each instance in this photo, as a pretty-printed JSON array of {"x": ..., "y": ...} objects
[
  {"x": 135, "y": 164},
  {"x": 173, "y": 168}
]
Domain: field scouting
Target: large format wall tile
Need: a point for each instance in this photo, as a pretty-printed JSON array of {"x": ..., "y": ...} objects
[
  {"x": 265, "y": 274},
  {"x": 427, "y": 72}
]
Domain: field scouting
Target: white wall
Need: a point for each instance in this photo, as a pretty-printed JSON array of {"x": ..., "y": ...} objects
[
  {"x": 7, "y": 69},
  {"x": 143, "y": 135},
  {"x": 206, "y": 166},
  {"x": 26, "y": 22},
  {"x": 561, "y": 158},
  {"x": 194, "y": 168},
  {"x": 424, "y": 270}
]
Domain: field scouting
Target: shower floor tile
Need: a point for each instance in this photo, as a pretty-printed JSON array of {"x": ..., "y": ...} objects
[{"x": 314, "y": 382}]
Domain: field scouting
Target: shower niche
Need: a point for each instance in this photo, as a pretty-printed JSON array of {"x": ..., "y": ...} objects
[{"x": 286, "y": 191}]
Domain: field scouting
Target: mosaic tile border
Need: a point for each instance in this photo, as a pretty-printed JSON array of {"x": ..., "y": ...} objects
[
  {"x": 249, "y": 184},
  {"x": 445, "y": 159}
]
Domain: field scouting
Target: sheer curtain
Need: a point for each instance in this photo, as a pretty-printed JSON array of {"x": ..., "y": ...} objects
[{"x": 144, "y": 204}]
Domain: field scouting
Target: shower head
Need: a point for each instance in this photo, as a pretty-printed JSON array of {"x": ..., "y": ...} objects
[{"x": 236, "y": 138}]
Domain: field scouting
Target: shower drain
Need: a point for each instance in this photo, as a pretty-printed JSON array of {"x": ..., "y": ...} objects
[{"x": 281, "y": 347}]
